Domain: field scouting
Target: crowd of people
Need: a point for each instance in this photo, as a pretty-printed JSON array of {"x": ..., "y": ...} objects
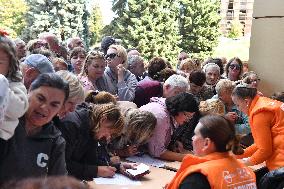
[{"x": 67, "y": 110}]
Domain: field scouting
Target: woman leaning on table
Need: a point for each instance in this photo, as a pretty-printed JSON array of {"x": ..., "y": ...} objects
[
  {"x": 266, "y": 118},
  {"x": 86, "y": 130},
  {"x": 212, "y": 166}
]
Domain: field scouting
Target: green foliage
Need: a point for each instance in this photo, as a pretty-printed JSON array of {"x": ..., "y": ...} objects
[
  {"x": 65, "y": 18},
  {"x": 149, "y": 25},
  {"x": 199, "y": 26},
  {"x": 96, "y": 25},
  {"x": 12, "y": 16},
  {"x": 236, "y": 30}
]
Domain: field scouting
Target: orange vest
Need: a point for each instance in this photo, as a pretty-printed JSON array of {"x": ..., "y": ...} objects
[
  {"x": 222, "y": 171},
  {"x": 259, "y": 104}
]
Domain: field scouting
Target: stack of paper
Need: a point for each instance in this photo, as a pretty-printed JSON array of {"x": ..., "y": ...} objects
[
  {"x": 117, "y": 179},
  {"x": 146, "y": 159}
]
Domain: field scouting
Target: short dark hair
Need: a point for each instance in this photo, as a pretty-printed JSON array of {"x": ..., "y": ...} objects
[
  {"x": 156, "y": 65},
  {"x": 244, "y": 92},
  {"x": 222, "y": 132},
  {"x": 183, "y": 102},
  {"x": 76, "y": 51},
  {"x": 51, "y": 80},
  {"x": 198, "y": 77}
]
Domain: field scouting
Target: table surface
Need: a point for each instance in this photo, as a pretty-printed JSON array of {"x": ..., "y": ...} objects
[{"x": 157, "y": 178}]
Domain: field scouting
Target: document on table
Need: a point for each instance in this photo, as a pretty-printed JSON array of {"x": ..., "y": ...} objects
[
  {"x": 146, "y": 159},
  {"x": 140, "y": 169},
  {"x": 117, "y": 179}
]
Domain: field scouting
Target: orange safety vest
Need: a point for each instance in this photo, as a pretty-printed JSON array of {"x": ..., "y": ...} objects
[
  {"x": 222, "y": 171},
  {"x": 260, "y": 104}
]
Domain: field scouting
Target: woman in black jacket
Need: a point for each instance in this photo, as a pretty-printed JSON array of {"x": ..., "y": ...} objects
[{"x": 84, "y": 130}]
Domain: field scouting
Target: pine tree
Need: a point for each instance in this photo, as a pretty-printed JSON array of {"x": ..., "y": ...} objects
[
  {"x": 199, "y": 26},
  {"x": 96, "y": 25},
  {"x": 149, "y": 25},
  {"x": 61, "y": 17},
  {"x": 12, "y": 16}
]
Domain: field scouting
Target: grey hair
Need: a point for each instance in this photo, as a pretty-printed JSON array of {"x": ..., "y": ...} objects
[
  {"x": 177, "y": 81},
  {"x": 18, "y": 40},
  {"x": 48, "y": 34},
  {"x": 209, "y": 65},
  {"x": 225, "y": 84},
  {"x": 75, "y": 86},
  {"x": 133, "y": 59}
]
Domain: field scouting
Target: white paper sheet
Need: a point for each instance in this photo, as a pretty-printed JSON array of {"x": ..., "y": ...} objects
[
  {"x": 141, "y": 168},
  {"x": 118, "y": 179},
  {"x": 146, "y": 159}
]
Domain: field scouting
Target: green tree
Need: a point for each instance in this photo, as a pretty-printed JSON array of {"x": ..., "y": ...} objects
[
  {"x": 96, "y": 25},
  {"x": 236, "y": 29},
  {"x": 12, "y": 16},
  {"x": 149, "y": 25},
  {"x": 199, "y": 26},
  {"x": 65, "y": 18}
]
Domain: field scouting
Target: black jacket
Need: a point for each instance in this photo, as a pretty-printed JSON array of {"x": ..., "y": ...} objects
[
  {"x": 273, "y": 179},
  {"x": 82, "y": 150},
  {"x": 25, "y": 156}
]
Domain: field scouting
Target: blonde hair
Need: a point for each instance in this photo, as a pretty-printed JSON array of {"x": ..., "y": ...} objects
[
  {"x": 121, "y": 52},
  {"x": 89, "y": 59},
  {"x": 212, "y": 106},
  {"x": 75, "y": 87},
  {"x": 188, "y": 63},
  {"x": 112, "y": 114},
  {"x": 140, "y": 126},
  {"x": 225, "y": 84}
]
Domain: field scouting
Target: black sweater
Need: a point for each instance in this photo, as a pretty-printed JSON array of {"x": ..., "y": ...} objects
[
  {"x": 38, "y": 155},
  {"x": 82, "y": 150}
]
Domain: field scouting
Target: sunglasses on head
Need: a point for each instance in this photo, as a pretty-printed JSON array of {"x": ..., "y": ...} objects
[
  {"x": 234, "y": 66},
  {"x": 111, "y": 56}
]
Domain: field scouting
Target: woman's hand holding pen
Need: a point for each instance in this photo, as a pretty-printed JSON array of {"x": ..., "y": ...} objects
[{"x": 106, "y": 171}]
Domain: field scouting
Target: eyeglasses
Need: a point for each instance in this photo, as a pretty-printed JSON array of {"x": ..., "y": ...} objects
[
  {"x": 111, "y": 56},
  {"x": 234, "y": 66}
]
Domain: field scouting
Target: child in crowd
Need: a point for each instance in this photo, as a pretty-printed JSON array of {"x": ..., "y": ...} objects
[
  {"x": 13, "y": 95},
  {"x": 77, "y": 57}
]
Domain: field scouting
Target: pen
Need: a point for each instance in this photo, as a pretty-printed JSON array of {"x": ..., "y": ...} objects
[{"x": 106, "y": 161}]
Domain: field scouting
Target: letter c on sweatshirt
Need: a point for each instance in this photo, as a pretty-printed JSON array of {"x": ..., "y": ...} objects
[{"x": 41, "y": 158}]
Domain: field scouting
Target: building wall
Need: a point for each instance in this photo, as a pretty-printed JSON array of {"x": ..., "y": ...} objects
[{"x": 240, "y": 10}]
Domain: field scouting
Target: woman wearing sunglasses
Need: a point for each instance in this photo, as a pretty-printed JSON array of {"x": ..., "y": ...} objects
[
  {"x": 117, "y": 79},
  {"x": 234, "y": 69}
]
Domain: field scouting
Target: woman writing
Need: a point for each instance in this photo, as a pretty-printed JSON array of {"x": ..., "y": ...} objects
[
  {"x": 266, "y": 118},
  {"x": 212, "y": 166},
  {"x": 85, "y": 130}
]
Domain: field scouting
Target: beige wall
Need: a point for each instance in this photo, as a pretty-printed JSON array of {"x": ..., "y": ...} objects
[{"x": 267, "y": 47}]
